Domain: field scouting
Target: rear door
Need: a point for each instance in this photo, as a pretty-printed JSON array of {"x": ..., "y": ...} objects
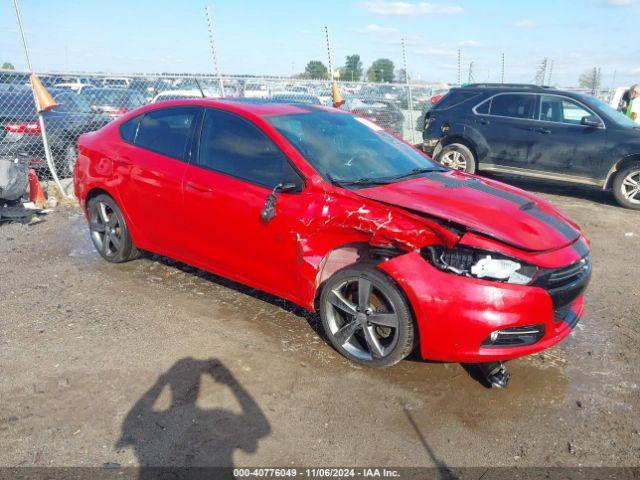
[
  {"x": 564, "y": 145},
  {"x": 237, "y": 167},
  {"x": 151, "y": 163},
  {"x": 505, "y": 122}
]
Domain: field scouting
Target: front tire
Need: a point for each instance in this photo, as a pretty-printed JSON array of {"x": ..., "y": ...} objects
[
  {"x": 626, "y": 186},
  {"x": 457, "y": 157},
  {"x": 366, "y": 317},
  {"x": 109, "y": 232}
]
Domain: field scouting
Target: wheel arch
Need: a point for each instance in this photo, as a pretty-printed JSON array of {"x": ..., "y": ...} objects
[
  {"x": 100, "y": 190},
  {"x": 619, "y": 165},
  {"x": 457, "y": 138}
]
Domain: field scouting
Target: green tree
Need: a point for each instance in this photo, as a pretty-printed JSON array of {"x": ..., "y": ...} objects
[
  {"x": 381, "y": 71},
  {"x": 590, "y": 79},
  {"x": 8, "y": 66},
  {"x": 352, "y": 70},
  {"x": 316, "y": 70}
]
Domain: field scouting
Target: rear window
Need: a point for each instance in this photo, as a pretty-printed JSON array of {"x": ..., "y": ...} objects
[
  {"x": 513, "y": 105},
  {"x": 454, "y": 98},
  {"x": 129, "y": 129},
  {"x": 166, "y": 131}
]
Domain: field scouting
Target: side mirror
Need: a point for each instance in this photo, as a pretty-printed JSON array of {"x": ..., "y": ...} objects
[
  {"x": 591, "y": 121},
  {"x": 269, "y": 210}
]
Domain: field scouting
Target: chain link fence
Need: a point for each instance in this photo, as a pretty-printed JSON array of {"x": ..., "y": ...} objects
[{"x": 86, "y": 102}]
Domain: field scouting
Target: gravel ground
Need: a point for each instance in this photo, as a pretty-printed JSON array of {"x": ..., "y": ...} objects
[{"x": 152, "y": 362}]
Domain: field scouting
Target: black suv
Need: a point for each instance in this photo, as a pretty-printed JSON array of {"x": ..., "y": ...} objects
[{"x": 536, "y": 131}]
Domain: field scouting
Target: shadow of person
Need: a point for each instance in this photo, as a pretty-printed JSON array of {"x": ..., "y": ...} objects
[{"x": 185, "y": 435}]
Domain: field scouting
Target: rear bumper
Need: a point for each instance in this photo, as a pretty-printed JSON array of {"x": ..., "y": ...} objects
[{"x": 456, "y": 315}]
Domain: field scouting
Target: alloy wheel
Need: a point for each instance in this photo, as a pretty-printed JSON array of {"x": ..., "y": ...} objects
[
  {"x": 631, "y": 187},
  {"x": 454, "y": 159},
  {"x": 362, "y": 319},
  {"x": 106, "y": 231}
]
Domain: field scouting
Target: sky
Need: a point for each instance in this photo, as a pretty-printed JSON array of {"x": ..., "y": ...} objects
[{"x": 278, "y": 37}]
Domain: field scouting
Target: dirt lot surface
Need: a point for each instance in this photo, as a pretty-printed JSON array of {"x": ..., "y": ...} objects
[{"x": 153, "y": 362}]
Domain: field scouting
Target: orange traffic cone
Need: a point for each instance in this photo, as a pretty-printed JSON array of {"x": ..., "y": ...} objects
[
  {"x": 36, "y": 193},
  {"x": 338, "y": 101},
  {"x": 45, "y": 100}
]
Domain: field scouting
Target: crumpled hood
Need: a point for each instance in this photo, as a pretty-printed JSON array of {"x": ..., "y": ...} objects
[{"x": 485, "y": 206}]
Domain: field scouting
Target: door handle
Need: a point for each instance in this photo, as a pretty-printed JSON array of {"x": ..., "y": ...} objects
[
  {"x": 198, "y": 187},
  {"x": 544, "y": 131}
]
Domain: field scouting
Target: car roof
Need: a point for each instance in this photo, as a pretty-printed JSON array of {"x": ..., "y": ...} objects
[{"x": 259, "y": 109}]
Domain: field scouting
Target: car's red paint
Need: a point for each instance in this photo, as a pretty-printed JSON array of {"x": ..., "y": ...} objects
[{"x": 213, "y": 221}]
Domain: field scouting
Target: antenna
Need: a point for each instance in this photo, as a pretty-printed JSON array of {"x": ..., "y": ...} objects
[
  {"x": 326, "y": 33},
  {"x": 410, "y": 99},
  {"x": 216, "y": 71}
]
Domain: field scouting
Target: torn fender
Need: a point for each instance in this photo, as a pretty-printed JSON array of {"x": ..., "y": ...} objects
[{"x": 342, "y": 221}]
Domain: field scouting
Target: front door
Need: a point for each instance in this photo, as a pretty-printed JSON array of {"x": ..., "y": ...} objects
[
  {"x": 565, "y": 146},
  {"x": 237, "y": 166}
]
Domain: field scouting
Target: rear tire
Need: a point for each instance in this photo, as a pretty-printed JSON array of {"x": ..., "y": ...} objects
[
  {"x": 366, "y": 317},
  {"x": 109, "y": 231},
  {"x": 457, "y": 157},
  {"x": 626, "y": 186}
]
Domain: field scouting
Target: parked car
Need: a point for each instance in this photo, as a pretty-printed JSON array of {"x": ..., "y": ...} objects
[
  {"x": 333, "y": 213},
  {"x": 295, "y": 97},
  {"x": 116, "y": 82},
  {"x": 112, "y": 102},
  {"x": 180, "y": 95},
  {"x": 20, "y": 133},
  {"x": 255, "y": 90},
  {"x": 383, "y": 112},
  {"x": 538, "y": 132}
]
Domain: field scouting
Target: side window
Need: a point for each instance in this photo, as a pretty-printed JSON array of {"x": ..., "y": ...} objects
[
  {"x": 167, "y": 131},
  {"x": 513, "y": 105},
  {"x": 562, "y": 110},
  {"x": 232, "y": 145},
  {"x": 129, "y": 128},
  {"x": 483, "y": 108}
]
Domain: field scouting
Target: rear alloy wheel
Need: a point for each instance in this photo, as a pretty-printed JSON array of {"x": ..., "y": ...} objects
[
  {"x": 366, "y": 317},
  {"x": 109, "y": 232},
  {"x": 457, "y": 157},
  {"x": 626, "y": 187}
]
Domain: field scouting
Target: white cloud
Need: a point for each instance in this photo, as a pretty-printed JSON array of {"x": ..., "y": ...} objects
[
  {"x": 377, "y": 29},
  {"x": 635, "y": 71},
  {"x": 410, "y": 9},
  {"x": 620, "y": 3},
  {"x": 438, "y": 52},
  {"x": 526, "y": 23},
  {"x": 470, "y": 43}
]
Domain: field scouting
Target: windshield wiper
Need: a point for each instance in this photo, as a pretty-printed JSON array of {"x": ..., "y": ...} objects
[
  {"x": 417, "y": 171},
  {"x": 364, "y": 181}
]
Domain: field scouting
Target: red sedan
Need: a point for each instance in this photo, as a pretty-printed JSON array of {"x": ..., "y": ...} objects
[{"x": 330, "y": 211}]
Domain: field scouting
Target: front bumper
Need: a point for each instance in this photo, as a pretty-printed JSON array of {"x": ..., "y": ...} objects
[{"x": 456, "y": 314}]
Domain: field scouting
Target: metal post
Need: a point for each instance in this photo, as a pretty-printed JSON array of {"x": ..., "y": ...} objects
[
  {"x": 43, "y": 128},
  {"x": 409, "y": 96},
  {"x": 216, "y": 70},
  {"x": 326, "y": 33}
]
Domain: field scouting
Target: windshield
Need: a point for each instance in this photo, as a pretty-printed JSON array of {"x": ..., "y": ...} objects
[
  {"x": 346, "y": 148},
  {"x": 614, "y": 115}
]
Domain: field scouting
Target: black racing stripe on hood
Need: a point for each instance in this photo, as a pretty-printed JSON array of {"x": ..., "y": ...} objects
[
  {"x": 525, "y": 204},
  {"x": 560, "y": 225},
  {"x": 581, "y": 248}
]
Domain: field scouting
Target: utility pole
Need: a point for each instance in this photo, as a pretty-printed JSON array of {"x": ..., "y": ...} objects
[
  {"x": 550, "y": 73},
  {"x": 326, "y": 34},
  {"x": 43, "y": 127},
  {"x": 406, "y": 77},
  {"x": 214, "y": 56},
  {"x": 541, "y": 73},
  {"x": 502, "y": 72},
  {"x": 459, "y": 67},
  {"x": 471, "y": 79}
]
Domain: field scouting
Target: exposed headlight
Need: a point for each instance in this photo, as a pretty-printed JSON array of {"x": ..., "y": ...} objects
[{"x": 480, "y": 264}]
